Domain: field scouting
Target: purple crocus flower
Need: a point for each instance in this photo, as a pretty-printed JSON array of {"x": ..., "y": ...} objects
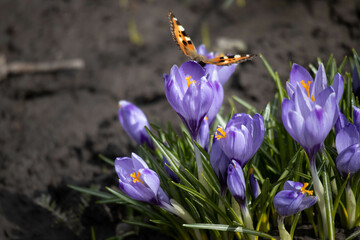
[
  {"x": 254, "y": 185},
  {"x": 139, "y": 182},
  {"x": 223, "y": 72},
  {"x": 134, "y": 121},
  {"x": 242, "y": 137},
  {"x": 312, "y": 109},
  {"x": 190, "y": 94},
  {"x": 293, "y": 198},
  {"x": 219, "y": 163},
  {"x": 348, "y": 146},
  {"x": 236, "y": 182}
]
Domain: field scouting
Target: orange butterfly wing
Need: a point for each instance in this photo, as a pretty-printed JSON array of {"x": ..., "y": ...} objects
[
  {"x": 187, "y": 46},
  {"x": 180, "y": 37},
  {"x": 230, "y": 59}
]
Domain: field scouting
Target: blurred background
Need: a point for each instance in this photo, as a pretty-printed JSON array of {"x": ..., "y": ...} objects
[{"x": 55, "y": 123}]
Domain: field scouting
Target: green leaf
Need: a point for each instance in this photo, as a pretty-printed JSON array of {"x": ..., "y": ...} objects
[
  {"x": 338, "y": 197},
  {"x": 353, "y": 236},
  {"x": 93, "y": 192},
  {"x": 228, "y": 228},
  {"x": 107, "y": 160}
]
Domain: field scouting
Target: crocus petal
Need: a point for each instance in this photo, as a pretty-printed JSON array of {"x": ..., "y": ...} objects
[
  {"x": 124, "y": 167},
  {"x": 138, "y": 162},
  {"x": 307, "y": 202},
  {"x": 338, "y": 86},
  {"x": 348, "y": 161},
  {"x": 293, "y": 186},
  {"x": 150, "y": 178},
  {"x": 340, "y": 122},
  {"x": 356, "y": 117},
  {"x": 193, "y": 69},
  {"x": 320, "y": 80},
  {"x": 219, "y": 163},
  {"x": 287, "y": 202},
  {"x": 173, "y": 94},
  {"x": 296, "y": 127},
  {"x": 258, "y": 131},
  {"x": 287, "y": 106},
  {"x": 297, "y": 74},
  {"x": 236, "y": 181},
  {"x": 204, "y": 134},
  {"x": 218, "y": 98},
  {"x": 303, "y": 103},
  {"x": 346, "y": 137},
  {"x": 138, "y": 192},
  {"x": 163, "y": 197}
]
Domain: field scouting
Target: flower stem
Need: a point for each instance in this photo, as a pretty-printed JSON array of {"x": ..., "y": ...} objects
[
  {"x": 284, "y": 235},
  {"x": 177, "y": 209},
  {"x": 319, "y": 191},
  {"x": 350, "y": 205},
  {"x": 247, "y": 219},
  {"x": 200, "y": 167}
]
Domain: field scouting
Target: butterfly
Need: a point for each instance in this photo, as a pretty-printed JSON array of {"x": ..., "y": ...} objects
[{"x": 187, "y": 46}]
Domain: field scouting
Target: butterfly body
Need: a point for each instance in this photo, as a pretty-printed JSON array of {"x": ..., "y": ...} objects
[{"x": 186, "y": 45}]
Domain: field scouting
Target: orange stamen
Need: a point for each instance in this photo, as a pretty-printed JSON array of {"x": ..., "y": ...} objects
[
  {"x": 221, "y": 135},
  {"x": 307, "y": 88},
  {"x": 206, "y": 118},
  {"x": 136, "y": 178},
  {"x": 303, "y": 190},
  {"x": 251, "y": 170},
  {"x": 188, "y": 80}
]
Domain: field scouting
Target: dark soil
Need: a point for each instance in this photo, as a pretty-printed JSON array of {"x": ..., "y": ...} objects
[{"x": 54, "y": 125}]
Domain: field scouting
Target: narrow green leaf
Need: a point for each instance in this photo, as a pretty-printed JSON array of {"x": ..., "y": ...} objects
[
  {"x": 93, "y": 192},
  {"x": 107, "y": 160},
  {"x": 353, "y": 236},
  {"x": 338, "y": 197},
  {"x": 245, "y": 104},
  {"x": 228, "y": 228},
  {"x": 328, "y": 206}
]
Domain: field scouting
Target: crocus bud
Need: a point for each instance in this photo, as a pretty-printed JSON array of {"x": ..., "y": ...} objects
[
  {"x": 134, "y": 121},
  {"x": 255, "y": 188},
  {"x": 138, "y": 181},
  {"x": 236, "y": 182},
  {"x": 169, "y": 172}
]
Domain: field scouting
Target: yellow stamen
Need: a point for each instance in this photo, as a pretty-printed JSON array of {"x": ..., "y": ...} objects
[
  {"x": 206, "y": 118},
  {"x": 307, "y": 88},
  {"x": 303, "y": 190},
  {"x": 136, "y": 178},
  {"x": 221, "y": 135},
  {"x": 251, "y": 170},
  {"x": 188, "y": 80}
]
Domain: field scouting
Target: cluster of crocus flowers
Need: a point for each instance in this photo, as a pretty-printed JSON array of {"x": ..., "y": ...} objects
[
  {"x": 134, "y": 121},
  {"x": 233, "y": 148},
  {"x": 292, "y": 199},
  {"x": 310, "y": 114}
]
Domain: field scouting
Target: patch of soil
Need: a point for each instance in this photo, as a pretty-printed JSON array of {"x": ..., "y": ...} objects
[{"x": 54, "y": 125}]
